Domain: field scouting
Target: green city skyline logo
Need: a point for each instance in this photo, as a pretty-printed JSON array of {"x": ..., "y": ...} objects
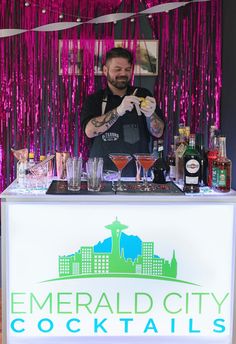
[{"x": 86, "y": 263}]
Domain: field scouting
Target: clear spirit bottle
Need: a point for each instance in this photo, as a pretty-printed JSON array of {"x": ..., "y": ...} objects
[
  {"x": 171, "y": 163},
  {"x": 21, "y": 173},
  {"x": 31, "y": 161},
  {"x": 30, "y": 178},
  {"x": 179, "y": 154}
]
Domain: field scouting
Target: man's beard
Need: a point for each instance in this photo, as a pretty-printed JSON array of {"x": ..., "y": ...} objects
[{"x": 120, "y": 82}]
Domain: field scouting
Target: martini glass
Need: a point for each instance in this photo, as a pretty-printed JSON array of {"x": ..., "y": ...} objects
[
  {"x": 120, "y": 160},
  {"x": 146, "y": 161}
]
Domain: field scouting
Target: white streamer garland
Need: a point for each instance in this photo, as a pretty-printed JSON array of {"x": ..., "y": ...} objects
[
  {"x": 56, "y": 26},
  {"x": 108, "y": 18},
  {"x": 10, "y": 32},
  {"x": 164, "y": 7}
]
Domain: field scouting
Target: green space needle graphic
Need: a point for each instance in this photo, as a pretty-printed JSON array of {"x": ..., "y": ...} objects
[
  {"x": 117, "y": 262},
  {"x": 116, "y": 228},
  {"x": 86, "y": 263}
]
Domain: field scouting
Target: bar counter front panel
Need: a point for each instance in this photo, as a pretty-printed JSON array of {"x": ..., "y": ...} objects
[{"x": 118, "y": 269}]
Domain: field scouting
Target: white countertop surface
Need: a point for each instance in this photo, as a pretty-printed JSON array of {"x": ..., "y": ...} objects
[{"x": 13, "y": 193}]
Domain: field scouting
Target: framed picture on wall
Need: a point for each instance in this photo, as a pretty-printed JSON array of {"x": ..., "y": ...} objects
[
  {"x": 146, "y": 58},
  {"x": 71, "y": 56}
]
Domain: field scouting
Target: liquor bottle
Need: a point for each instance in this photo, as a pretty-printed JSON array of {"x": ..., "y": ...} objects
[
  {"x": 203, "y": 159},
  {"x": 31, "y": 161},
  {"x": 30, "y": 178},
  {"x": 43, "y": 172},
  {"x": 222, "y": 168},
  {"x": 44, "y": 167},
  {"x": 42, "y": 157},
  {"x": 191, "y": 167},
  {"x": 179, "y": 153},
  {"x": 186, "y": 134},
  {"x": 21, "y": 173},
  {"x": 171, "y": 163},
  {"x": 50, "y": 168},
  {"x": 155, "y": 149},
  {"x": 212, "y": 154},
  {"x": 159, "y": 167}
]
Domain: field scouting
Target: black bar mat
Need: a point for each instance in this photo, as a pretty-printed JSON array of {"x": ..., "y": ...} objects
[
  {"x": 137, "y": 187},
  {"x": 59, "y": 187}
]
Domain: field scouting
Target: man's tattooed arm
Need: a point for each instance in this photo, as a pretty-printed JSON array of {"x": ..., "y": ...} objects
[
  {"x": 156, "y": 125},
  {"x": 99, "y": 125}
]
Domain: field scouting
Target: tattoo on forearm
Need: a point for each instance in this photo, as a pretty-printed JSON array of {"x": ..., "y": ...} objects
[
  {"x": 96, "y": 133},
  {"x": 156, "y": 125},
  {"x": 108, "y": 119}
]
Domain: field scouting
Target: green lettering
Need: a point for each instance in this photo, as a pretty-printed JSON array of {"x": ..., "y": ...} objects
[
  {"x": 106, "y": 304},
  {"x": 60, "y": 303},
  {"x": 219, "y": 304},
  {"x": 33, "y": 300},
  {"x": 14, "y": 302},
  {"x": 187, "y": 303},
  {"x": 118, "y": 306},
  {"x": 138, "y": 302},
  {"x": 200, "y": 301},
  {"x": 167, "y": 299},
  {"x": 85, "y": 304}
]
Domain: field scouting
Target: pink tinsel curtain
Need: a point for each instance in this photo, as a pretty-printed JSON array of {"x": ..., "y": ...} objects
[
  {"x": 40, "y": 99},
  {"x": 188, "y": 86}
]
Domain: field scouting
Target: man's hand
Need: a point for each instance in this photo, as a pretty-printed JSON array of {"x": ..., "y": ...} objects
[
  {"x": 148, "y": 106},
  {"x": 127, "y": 104}
]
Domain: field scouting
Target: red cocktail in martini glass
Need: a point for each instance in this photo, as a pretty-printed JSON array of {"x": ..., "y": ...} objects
[
  {"x": 120, "y": 160},
  {"x": 146, "y": 161}
]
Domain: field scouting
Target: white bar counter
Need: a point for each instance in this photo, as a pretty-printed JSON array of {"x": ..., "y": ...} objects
[{"x": 127, "y": 268}]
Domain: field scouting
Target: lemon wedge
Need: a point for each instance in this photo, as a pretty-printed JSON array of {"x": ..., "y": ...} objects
[{"x": 143, "y": 102}]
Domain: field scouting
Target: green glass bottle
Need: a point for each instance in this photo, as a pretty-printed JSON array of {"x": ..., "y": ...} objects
[{"x": 191, "y": 167}]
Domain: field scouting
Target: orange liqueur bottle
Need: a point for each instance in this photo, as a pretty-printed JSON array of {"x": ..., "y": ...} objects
[
  {"x": 222, "y": 168},
  {"x": 212, "y": 155}
]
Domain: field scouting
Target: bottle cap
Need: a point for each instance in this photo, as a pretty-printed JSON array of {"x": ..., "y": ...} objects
[
  {"x": 187, "y": 131},
  {"x": 155, "y": 144},
  {"x": 42, "y": 157},
  {"x": 213, "y": 127},
  {"x": 31, "y": 155},
  {"x": 192, "y": 136}
]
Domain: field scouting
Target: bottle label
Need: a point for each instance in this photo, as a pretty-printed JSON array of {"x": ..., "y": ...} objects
[
  {"x": 181, "y": 150},
  {"x": 21, "y": 172},
  {"x": 191, "y": 180},
  {"x": 221, "y": 178},
  {"x": 214, "y": 176},
  {"x": 172, "y": 172},
  {"x": 192, "y": 166}
]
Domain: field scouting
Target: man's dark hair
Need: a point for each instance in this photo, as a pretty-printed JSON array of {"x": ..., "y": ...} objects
[{"x": 119, "y": 52}]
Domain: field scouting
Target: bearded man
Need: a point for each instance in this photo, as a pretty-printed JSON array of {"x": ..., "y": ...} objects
[{"x": 121, "y": 118}]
